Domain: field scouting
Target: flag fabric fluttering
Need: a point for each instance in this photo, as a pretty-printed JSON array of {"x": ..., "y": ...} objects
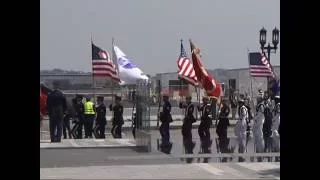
[
  {"x": 212, "y": 87},
  {"x": 275, "y": 86},
  {"x": 275, "y": 81},
  {"x": 102, "y": 65},
  {"x": 259, "y": 65},
  {"x": 266, "y": 62},
  {"x": 129, "y": 73},
  {"x": 185, "y": 67}
]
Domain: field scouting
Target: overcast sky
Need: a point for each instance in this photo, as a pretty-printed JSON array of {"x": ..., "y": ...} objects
[{"x": 149, "y": 31}]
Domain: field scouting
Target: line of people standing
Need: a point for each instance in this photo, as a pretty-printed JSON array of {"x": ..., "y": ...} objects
[
  {"x": 82, "y": 114},
  {"x": 87, "y": 114},
  {"x": 266, "y": 124}
]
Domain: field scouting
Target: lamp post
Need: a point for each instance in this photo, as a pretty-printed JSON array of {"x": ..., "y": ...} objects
[{"x": 275, "y": 42}]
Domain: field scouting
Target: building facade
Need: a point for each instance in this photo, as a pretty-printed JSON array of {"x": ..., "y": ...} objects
[{"x": 237, "y": 79}]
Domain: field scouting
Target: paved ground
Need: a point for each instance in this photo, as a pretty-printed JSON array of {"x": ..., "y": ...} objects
[
  {"x": 124, "y": 161},
  {"x": 167, "y": 171},
  {"x": 88, "y": 143},
  {"x": 176, "y": 124},
  {"x": 128, "y": 140}
]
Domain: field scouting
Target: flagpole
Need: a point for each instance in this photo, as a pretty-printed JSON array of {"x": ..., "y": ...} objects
[
  {"x": 249, "y": 73},
  {"x": 112, "y": 84},
  {"x": 180, "y": 83},
  {"x": 198, "y": 100},
  {"x": 93, "y": 79}
]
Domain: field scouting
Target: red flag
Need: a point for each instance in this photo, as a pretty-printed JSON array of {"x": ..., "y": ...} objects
[
  {"x": 43, "y": 102},
  {"x": 211, "y": 86}
]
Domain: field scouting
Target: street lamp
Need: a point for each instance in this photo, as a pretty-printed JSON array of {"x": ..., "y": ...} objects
[{"x": 275, "y": 42}]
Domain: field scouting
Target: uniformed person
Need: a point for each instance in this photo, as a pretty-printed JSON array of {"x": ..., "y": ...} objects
[
  {"x": 56, "y": 105},
  {"x": 117, "y": 120},
  {"x": 66, "y": 120},
  {"x": 166, "y": 119},
  {"x": 233, "y": 101},
  {"x": 79, "y": 122},
  {"x": 75, "y": 120},
  {"x": 223, "y": 122},
  {"x": 204, "y": 127},
  {"x": 134, "y": 124},
  {"x": 189, "y": 118},
  {"x": 267, "y": 125},
  {"x": 275, "y": 126},
  {"x": 89, "y": 117},
  {"x": 206, "y": 120},
  {"x": 258, "y": 126},
  {"x": 250, "y": 117},
  {"x": 241, "y": 127},
  {"x": 101, "y": 120}
]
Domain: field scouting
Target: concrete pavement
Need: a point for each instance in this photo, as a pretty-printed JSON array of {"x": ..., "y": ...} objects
[
  {"x": 88, "y": 143},
  {"x": 167, "y": 171},
  {"x": 176, "y": 124}
]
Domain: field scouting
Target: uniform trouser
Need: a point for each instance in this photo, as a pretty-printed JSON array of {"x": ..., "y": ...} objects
[
  {"x": 113, "y": 130},
  {"x": 100, "y": 130},
  {"x": 80, "y": 126},
  {"x": 203, "y": 130},
  {"x": 56, "y": 121},
  {"x": 186, "y": 131},
  {"x": 234, "y": 111},
  {"x": 88, "y": 125},
  {"x": 267, "y": 143},
  {"x": 134, "y": 131},
  {"x": 276, "y": 143},
  {"x": 206, "y": 143},
  {"x": 242, "y": 142},
  {"x": 259, "y": 142},
  {"x": 66, "y": 127},
  {"x": 188, "y": 147},
  {"x": 258, "y": 135},
  {"x": 74, "y": 131},
  {"x": 222, "y": 128},
  {"x": 164, "y": 131},
  {"x": 223, "y": 146},
  {"x": 118, "y": 131}
]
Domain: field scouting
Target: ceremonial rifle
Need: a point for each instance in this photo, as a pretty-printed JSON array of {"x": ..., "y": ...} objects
[{"x": 159, "y": 99}]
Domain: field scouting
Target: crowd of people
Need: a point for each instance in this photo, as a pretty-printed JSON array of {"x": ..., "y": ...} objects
[
  {"x": 263, "y": 126},
  {"x": 81, "y": 111}
]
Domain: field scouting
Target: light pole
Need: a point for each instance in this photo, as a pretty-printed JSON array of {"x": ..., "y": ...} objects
[{"x": 275, "y": 41}]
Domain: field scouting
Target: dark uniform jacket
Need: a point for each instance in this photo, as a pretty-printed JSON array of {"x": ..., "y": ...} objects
[
  {"x": 101, "y": 114},
  {"x": 56, "y": 103},
  {"x": 165, "y": 115},
  {"x": 223, "y": 116},
  {"x": 206, "y": 112},
  {"x": 188, "y": 115},
  {"x": 117, "y": 114}
]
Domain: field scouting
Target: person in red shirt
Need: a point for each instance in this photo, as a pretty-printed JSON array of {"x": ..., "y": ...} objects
[
  {"x": 43, "y": 108},
  {"x": 43, "y": 101}
]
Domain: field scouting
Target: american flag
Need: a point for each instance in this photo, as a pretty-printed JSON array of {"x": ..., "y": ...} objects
[
  {"x": 259, "y": 65},
  {"x": 185, "y": 66},
  {"x": 102, "y": 65}
]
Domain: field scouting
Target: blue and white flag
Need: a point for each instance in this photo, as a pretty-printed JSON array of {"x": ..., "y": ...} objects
[{"x": 129, "y": 73}]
